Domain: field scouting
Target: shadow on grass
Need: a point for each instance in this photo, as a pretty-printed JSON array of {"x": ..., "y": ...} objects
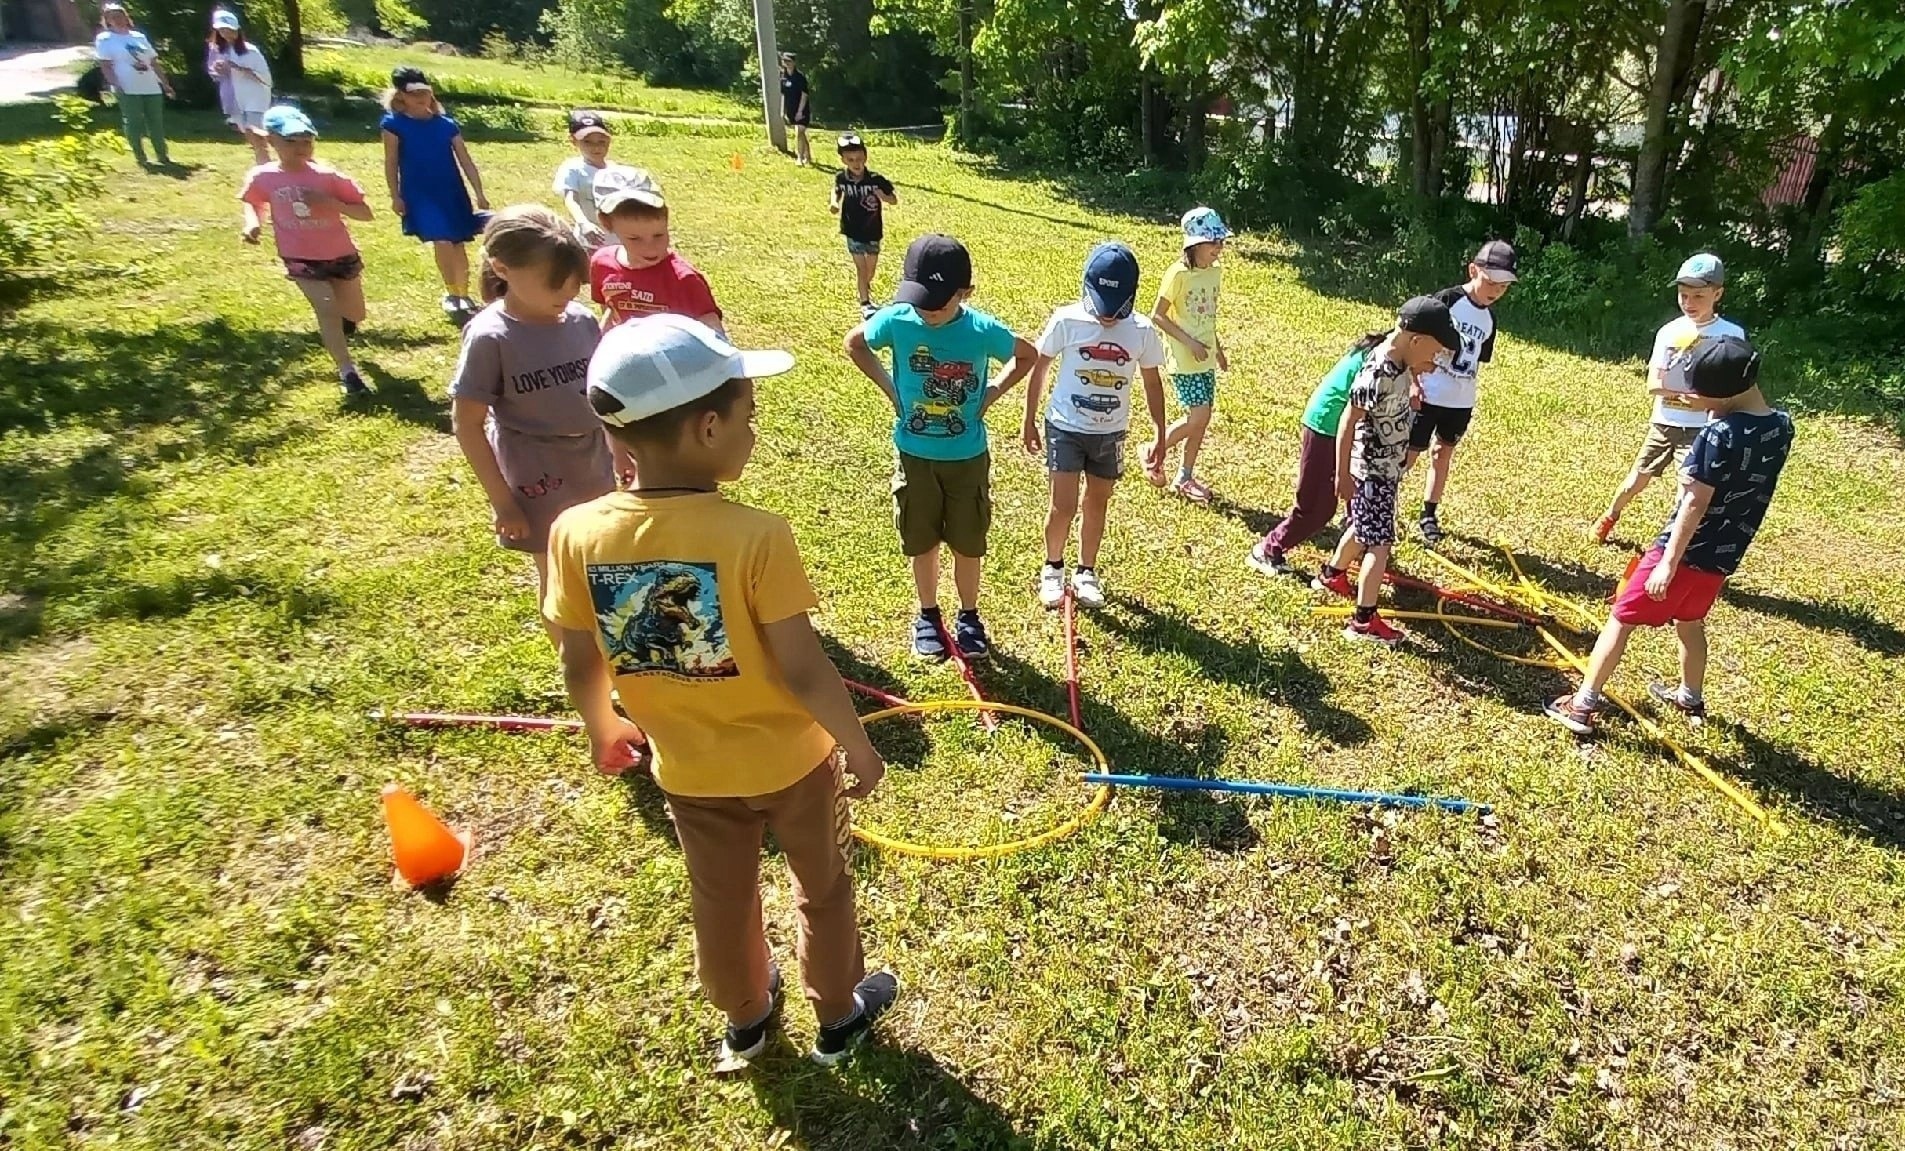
[
  {"x": 1874, "y": 812},
  {"x": 889, "y": 1098},
  {"x": 1855, "y": 621}
]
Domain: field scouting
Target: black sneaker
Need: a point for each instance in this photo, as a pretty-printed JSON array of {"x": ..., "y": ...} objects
[
  {"x": 1675, "y": 698},
  {"x": 969, "y": 632},
  {"x": 871, "y": 998},
  {"x": 746, "y": 1043},
  {"x": 1432, "y": 533},
  {"x": 928, "y": 640},
  {"x": 353, "y": 384}
]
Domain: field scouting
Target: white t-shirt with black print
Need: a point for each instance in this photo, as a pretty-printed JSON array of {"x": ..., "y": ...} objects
[
  {"x": 1673, "y": 350},
  {"x": 1381, "y": 390},
  {"x": 1453, "y": 385},
  {"x": 1093, "y": 366}
]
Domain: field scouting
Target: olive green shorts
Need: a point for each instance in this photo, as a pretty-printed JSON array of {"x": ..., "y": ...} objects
[
  {"x": 1664, "y": 442},
  {"x": 943, "y": 502}
]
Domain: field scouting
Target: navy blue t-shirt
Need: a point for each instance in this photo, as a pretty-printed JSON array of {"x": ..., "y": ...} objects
[{"x": 1739, "y": 456}]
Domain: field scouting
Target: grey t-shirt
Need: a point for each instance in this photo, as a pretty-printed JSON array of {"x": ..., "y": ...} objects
[{"x": 534, "y": 377}]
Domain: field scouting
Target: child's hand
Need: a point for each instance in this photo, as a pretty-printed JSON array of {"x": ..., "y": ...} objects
[
  {"x": 867, "y": 770},
  {"x": 510, "y": 523},
  {"x": 614, "y": 751},
  {"x": 1028, "y": 435},
  {"x": 1199, "y": 352},
  {"x": 482, "y": 202},
  {"x": 1345, "y": 487},
  {"x": 397, "y": 205},
  {"x": 249, "y": 235},
  {"x": 1223, "y": 361},
  {"x": 1659, "y": 578},
  {"x": 1415, "y": 393}
]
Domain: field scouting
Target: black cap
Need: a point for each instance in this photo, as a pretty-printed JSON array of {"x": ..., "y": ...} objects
[
  {"x": 1430, "y": 317},
  {"x": 1497, "y": 256},
  {"x": 1722, "y": 368},
  {"x": 580, "y": 122},
  {"x": 407, "y": 77},
  {"x": 937, "y": 268}
]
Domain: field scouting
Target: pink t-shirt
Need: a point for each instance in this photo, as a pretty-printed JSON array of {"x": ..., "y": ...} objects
[{"x": 305, "y": 230}]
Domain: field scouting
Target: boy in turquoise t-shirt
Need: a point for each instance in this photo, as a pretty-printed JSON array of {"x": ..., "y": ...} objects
[{"x": 942, "y": 485}]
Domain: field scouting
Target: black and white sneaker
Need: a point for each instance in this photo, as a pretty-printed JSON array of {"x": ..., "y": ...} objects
[
  {"x": 871, "y": 999},
  {"x": 1676, "y": 698},
  {"x": 745, "y": 1043},
  {"x": 352, "y": 383},
  {"x": 866, "y": 310},
  {"x": 1268, "y": 562},
  {"x": 1432, "y": 533}
]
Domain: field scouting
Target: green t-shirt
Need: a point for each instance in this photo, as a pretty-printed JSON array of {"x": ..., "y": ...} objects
[{"x": 1325, "y": 413}]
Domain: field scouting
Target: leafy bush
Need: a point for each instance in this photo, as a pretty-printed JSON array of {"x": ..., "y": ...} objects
[{"x": 42, "y": 185}]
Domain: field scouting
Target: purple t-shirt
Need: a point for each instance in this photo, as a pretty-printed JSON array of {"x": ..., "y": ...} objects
[{"x": 533, "y": 376}]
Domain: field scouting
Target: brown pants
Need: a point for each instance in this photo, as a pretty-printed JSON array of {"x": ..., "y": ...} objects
[{"x": 721, "y": 839}]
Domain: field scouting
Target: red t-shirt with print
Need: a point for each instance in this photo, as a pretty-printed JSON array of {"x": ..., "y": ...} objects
[{"x": 672, "y": 285}]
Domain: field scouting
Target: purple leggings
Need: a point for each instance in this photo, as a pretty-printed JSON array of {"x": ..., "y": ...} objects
[{"x": 1315, "y": 493}]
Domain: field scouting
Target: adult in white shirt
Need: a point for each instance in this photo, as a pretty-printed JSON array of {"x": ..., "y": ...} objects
[
  {"x": 131, "y": 68},
  {"x": 244, "y": 80}
]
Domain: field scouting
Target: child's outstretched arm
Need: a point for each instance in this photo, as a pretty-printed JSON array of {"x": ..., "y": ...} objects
[
  {"x": 466, "y": 420},
  {"x": 464, "y": 161},
  {"x": 391, "y": 182},
  {"x": 1695, "y": 498},
  {"x": 1154, "y": 407},
  {"x": 1029, "y": 432},
  {"x": 1161, "y": 316},
  {"x": 816, "y": 683},
  {"x": 868, "y": 361},
  {"x": 248, "y": 229},
  {"x": 587, "y": 678},
  {"x": 1345, "y": 445},
  {"x": 1024, "y": 355}
]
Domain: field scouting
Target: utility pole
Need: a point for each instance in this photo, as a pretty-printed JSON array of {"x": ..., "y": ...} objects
[{"x": 770, "y": 73}]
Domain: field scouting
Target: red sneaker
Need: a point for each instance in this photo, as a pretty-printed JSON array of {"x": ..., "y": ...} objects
[
  {"x": 1337, "y": 585},
  {"x": 1603, "y": 528},
  {"x": 1377, "y": 629}
]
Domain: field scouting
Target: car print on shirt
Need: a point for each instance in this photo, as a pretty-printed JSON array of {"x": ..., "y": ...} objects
[
  {"x": 1106, "y": 352},
  {"x": 1100, "y": 378},
  {"x": 928, "y": 414},
  {"x": 1103, "y": 405}
]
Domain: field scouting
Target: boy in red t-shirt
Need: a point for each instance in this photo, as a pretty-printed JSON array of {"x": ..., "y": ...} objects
[{"x": 642, "y": 275}]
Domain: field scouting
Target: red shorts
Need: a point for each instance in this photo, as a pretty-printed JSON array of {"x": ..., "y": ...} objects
[{"x": 1690, "y": 595}]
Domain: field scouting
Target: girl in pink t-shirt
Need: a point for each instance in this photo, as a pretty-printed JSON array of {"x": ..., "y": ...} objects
[{"x": 308, "y": 202}]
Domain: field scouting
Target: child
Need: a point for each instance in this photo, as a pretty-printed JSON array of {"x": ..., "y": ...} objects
[
  {"x": 1371, "y": 443},
  {"x": 131, "y": 69},
  {"x": 520, "y": 406},
  {"x": 1186, "y": 312},
  {"x": 1678, "y": 417},
  {"x": 694, "y": 608},
  {"x": 308, "y": 202},
  {"x": 1316, "y": 462},
  {"x": 1099, "y": 346},
  {"x": 641, "y": 274},
  {"x": 1448, "y": 390},
  {"x": 942, "y": 484},
  {"x": 1727, "y": 484},
  {"x": 423, "y": 154},
  {"x": 575, "y": 178},
  {"x": 244, "y": 80},
  {"x": 858, "y": 193}
]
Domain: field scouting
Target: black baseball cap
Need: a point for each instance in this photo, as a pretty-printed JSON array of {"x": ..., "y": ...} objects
[
  {"x": 937, "y": 268},
  {"x": 583, "y": 123},
  {"x": 1722, "y": 368},
  {"x": 1497, "y": 261},
  {"x": 1430, "y": 317},
  {"x": 408, "y": 78}
]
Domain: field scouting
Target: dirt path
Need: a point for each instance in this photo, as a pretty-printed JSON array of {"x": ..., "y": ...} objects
[{"x": 36, "y": 72}]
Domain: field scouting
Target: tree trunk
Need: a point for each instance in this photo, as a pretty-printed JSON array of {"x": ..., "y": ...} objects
[
  {"x": 1196, "y": 129},
  {"x": 1421, "y": 132},
  {"x": 966, "y": 126},
  {"x": 1822, "y": 189},
  {"x": 1147, "y": 118},
  {"x": 1578, "y": 189},
  {"x": 291, "y": 60},
  {"x": 1441, "y": 123},
  {"x": 1678, "y": 35}
]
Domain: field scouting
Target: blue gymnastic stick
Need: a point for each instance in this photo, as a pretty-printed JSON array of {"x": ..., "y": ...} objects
[{"x": 1287, "y": 791}]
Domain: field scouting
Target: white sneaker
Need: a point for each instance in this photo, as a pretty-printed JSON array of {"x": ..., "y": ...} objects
[
  {"x": 1051, "y": 585},
  {"x": 1085, "y": 588}
]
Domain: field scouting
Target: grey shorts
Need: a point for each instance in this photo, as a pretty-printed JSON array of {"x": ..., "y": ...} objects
[
  {"x": 548, "y": 475},
  {"x": 1097, "y": 454},
  {"x": 1664, "y": 442},
  {"x": 862, "y": 247}
]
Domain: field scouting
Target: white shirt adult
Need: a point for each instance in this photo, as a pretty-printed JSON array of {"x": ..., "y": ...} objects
[
  {"x": 1454, "y": 385},
  {"x": 130, "y": 62},
  {"x": 1093, "y": 367},
  {"x": 1673, "y": 348}
]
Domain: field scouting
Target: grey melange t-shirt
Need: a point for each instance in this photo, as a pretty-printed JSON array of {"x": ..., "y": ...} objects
[{"x": 533, "y": 376}]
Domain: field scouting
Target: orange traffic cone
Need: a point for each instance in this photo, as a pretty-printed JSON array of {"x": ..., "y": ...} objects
[
  {"x": 734, "y": 161},
  {"x": 425, "y": 848}
]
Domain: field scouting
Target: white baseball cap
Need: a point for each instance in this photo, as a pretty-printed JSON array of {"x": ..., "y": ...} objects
[
  {"x": 620, "y": 184},
  {"x": 648, "y": 366},
  {"x": 225, "y": 19}
]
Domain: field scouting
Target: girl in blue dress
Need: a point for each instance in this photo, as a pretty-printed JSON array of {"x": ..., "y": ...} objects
[{"x": 425, "y": 164}]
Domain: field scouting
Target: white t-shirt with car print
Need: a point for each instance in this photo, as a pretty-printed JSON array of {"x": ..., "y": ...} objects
[{"x": 1093, "y": 367}]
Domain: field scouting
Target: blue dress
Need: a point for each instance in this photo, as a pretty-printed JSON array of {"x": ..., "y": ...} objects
[{"x": 436, "y": 204}]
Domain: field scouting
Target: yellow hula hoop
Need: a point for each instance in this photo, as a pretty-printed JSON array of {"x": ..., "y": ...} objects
[{"x": 1099, "y": 798}]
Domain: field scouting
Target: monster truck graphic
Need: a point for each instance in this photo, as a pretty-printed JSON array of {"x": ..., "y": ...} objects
[
  {"x": 1103, "y": 405},
  {"x": 1100, "y": 378},
  {"x": 1106, "y": 352},
  {"x": 661, "y": 617},
  {"x": 928, "y": 414}
]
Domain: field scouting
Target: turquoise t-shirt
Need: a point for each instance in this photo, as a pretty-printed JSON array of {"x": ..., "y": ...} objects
[
  {"x": 1325, "y": 413},
  {"x": 940, "y": 374}
]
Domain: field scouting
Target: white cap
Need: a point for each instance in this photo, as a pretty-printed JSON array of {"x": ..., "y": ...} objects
[
  {"x": 225, "y": 19},
  {"x": 648, "y": 366},
  {"x": 620, "y": 184}
]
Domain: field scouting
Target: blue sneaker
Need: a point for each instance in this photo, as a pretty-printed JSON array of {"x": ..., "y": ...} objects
[
  {"x": 928, "y": 643},
  {"x": 969, "y": 632}
]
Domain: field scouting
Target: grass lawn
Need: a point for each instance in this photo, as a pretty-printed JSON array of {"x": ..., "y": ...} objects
[{"x": 212, "y": 569}]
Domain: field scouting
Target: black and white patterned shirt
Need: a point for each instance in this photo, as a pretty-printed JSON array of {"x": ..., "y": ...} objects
[
  {"x": 1381, "y": 390},
  {"x": 1740, "y": 457}
]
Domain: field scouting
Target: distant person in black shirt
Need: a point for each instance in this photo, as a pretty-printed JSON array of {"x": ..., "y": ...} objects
[
  {"x": 795, "y": 107},
  {"x": 859, "y": 194}
]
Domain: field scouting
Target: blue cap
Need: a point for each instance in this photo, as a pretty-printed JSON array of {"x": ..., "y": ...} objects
[
  {"x": 1111, "y": 280},
  {"x": 1203, "y": 226},
  {"x": 1702, "y": 271},
  {"x": 284, "y": 120}
]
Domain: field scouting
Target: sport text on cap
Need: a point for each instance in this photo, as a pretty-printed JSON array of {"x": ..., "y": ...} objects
[
  {"x": 937, "y": 269},
  {"x": 587, "y": 123},
  {"x": 1701, "y": 271},
  {"x": 1111, "y": 280},
  {"x": 645, "y": 367},
  {"x": 1496, "y": 259},
  {"x": 1430, "y": 317},
  {"x": 619, "y": 184},
  {"x": 1722, "y": 368}
]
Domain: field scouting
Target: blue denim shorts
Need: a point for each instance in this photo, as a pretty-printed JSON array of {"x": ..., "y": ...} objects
[{"x": 863, "y": 247}]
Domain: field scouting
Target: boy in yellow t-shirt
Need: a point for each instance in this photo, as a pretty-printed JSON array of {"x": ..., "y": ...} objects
[
  {"x": 1186, "y": 313},
  {"x": 695, "y": 609}
]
